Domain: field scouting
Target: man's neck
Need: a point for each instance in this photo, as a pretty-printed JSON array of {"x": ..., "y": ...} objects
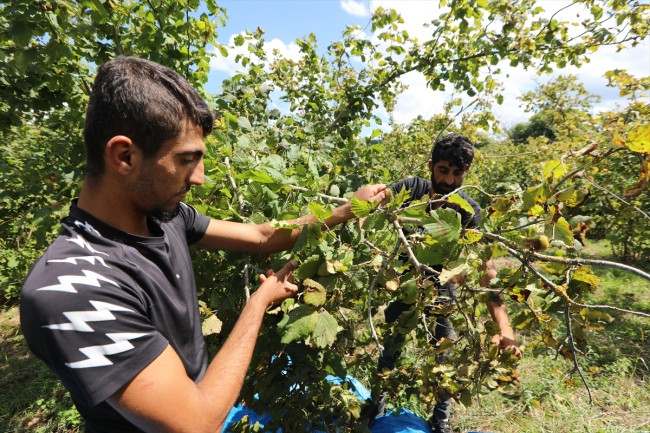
[{"x": 104, "y": 202}]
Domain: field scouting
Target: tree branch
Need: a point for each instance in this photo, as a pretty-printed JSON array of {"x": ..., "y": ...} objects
[
  {"x": 569, "y": 260},
  {"x": 562, "y": 293},
  {"x": 622, "y": 200}
]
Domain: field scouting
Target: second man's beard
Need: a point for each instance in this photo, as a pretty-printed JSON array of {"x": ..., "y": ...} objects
[{"x": 443, "y": 188}]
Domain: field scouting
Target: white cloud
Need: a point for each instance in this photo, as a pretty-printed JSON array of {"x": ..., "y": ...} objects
[
  {"x": 420, "y": 100},
  {"x": 230, "y": 67},
  {"x": 355, "y": 8}
]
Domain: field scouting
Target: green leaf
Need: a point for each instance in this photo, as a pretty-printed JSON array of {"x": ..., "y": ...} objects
[
  {"x": 259, "y": 176},
  {"x": 298, "y": 323},
  {"x": 244, "y": 123},
  {"x": 314, "y": 293},
  {"x": 553, "y": 170},
  {"x": 310, "y": 236},
  {"x": 324, "y": 333},
  {"x": 584, "y": 275},
  {"x": 361, "y": 208},
  {"x": 444, "y": 225},
  {"x": 307, "y": 268},
  {"x": 563, "y": 232},
  {"x": 460, "y": 201},
  {"x": 211, "y": 325},
  {"x": 638, "y": 139},
  {"x": 595, "y": 315},
  {"x": 375, "y": 221},
  {"x": 447, "y": 275},
  {"x": 318, "y": 211},
  {"x": 437, "y": 254},
  {"x": 534, "y": 195}
]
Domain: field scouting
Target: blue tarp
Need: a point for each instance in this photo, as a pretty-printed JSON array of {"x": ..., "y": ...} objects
[{"x": 403, "y": 422}]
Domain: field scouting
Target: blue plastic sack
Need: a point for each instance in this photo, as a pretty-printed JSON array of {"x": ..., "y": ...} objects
[{"x": 404, "y": 421}]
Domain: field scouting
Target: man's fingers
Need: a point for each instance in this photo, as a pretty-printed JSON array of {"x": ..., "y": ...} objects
[{"x": 286, "y": 270}]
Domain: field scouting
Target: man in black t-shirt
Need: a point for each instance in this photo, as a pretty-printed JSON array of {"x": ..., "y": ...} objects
[
  {"x": 451, "y": 158},
  {"x": 111, "y": 307}
]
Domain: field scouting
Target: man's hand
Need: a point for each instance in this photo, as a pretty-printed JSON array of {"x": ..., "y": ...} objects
[
  {"x": 376, "y": 192},
  {"x": 507, "y": 343},
  {"x": 162, "y": 397},
  {"x": 278, "y": 286}
]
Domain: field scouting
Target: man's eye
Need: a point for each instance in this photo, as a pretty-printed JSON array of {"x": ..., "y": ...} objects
[{"x": 187, "y": 161}]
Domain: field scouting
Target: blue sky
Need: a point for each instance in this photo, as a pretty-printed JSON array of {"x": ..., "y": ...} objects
[{"x": 286, "y": 20}]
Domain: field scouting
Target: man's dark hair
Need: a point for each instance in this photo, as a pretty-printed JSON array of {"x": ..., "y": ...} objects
[
  {"x": 143, "y": 100},
  {"x": 455, "y": 148}
]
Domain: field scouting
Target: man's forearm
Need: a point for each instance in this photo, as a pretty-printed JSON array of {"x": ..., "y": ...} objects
[
  {"x": 499, "y": 313},
  {"x": 225, "y": 375},
  {"x": 282, "y": 239}
]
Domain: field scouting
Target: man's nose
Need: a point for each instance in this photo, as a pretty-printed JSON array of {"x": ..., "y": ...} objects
[
  {"x": 448, "y": 178},
  {"x": 198, "y": 175}
]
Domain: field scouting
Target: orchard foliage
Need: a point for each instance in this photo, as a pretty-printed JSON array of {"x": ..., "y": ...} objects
[{"x": 288, "y": 142}]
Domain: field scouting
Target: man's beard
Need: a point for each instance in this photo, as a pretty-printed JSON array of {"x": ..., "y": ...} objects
[
  {"x": 165, "y": 215},
  {"x": 443, "y": 188}
]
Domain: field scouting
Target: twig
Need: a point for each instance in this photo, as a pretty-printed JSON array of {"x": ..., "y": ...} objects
[
  {"x": 574, "y": 356},
  {"x": 240, "y": 197},
  {"x": 423, "y": 317},
  {"x": 583, "y": 167},
  {"x": 331, "y": 198},
  {"x": 422, "y": 269},
  {"x": 622, "y": 200},
  {"x": 383, "y": 268},
  {"x": 470, "y": 327},
  {"x": 242, "y": 207},
  {"x": 247, "y": 289},
  {"x": 523, "y": 226}
]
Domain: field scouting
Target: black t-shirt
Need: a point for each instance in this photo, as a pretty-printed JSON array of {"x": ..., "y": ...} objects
[
  {"x": 102, "y": 304},
  {"x": 420, "y": 187}
]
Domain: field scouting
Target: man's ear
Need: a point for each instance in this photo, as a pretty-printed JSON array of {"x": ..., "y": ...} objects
[
  {"x": 119, "y": 154},
  {"x": 430, "y": 165}
]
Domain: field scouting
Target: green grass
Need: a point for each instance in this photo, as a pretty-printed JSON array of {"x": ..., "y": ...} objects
[
  {"x": 616, "y": 366},
  {"x": 32, "y": 399}
]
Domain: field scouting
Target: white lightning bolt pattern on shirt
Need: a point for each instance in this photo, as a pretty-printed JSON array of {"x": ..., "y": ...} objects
[
  {"x": 86, "y": 226},
  {"x": 78, "y": 319},
  {"x": 88, "y": 259},
  {"x": 97, "y": 354},
  {"x": 67, "y": 282},
  {"x": 83, "y": 243}
]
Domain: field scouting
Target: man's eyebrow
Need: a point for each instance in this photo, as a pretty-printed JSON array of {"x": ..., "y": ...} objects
[{"x": 193, "y": 153}]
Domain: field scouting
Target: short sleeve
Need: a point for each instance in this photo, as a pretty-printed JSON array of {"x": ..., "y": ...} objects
[
  {"x": 196, "y": 223},
  {"x": 87, "y": 321}
]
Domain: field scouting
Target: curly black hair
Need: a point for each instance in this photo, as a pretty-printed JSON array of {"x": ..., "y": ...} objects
[{"x": 455, "y": 148}]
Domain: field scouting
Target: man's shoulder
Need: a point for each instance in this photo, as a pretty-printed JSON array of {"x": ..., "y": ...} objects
[
  {"x": 470, "y": 219},
  {"x": 78, "y": 255},
  {"x": 415, "y": 185}
]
